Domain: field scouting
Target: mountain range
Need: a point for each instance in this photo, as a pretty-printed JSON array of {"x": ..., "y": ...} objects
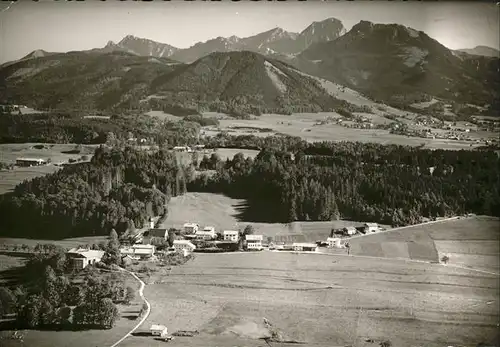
[
  {"x": 272, "y": 42},
  {"x": 267, "y": 72}
]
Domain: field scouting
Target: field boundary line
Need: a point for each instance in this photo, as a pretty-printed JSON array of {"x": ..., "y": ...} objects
[
  {"x": 406, "y": 227},
  {"x": 409, "y": 261},
  {"x": 148, "y": 311}
]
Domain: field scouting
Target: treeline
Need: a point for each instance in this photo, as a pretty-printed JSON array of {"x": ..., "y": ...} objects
[
  {"x": 224, "y": 140},
  {"x": 387, "y": 184},
  {"x": 117, "y": 188},
  {"x": 68, "y": 127}
]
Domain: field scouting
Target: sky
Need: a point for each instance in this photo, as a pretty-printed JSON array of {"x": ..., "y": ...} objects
[{"x": 61, "y": 26}]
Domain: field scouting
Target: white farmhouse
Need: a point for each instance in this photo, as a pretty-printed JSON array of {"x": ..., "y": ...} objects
[
  {"x": 231, "y": 235},
  {"x": 81, "y": 257},
  {"x": 184, "y": 246},
  {"x": 371, "y": 227},
  {"x": 191, "y": 228},
  {"x": 254, "y": 242},
  {"x": 333, "y": 242}
]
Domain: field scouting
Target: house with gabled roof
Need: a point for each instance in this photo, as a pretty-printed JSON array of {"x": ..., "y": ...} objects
[{"x": 80, "y": 258}]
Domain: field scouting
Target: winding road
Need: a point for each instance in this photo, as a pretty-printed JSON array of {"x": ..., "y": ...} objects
[{"x": 148, "y": 311}]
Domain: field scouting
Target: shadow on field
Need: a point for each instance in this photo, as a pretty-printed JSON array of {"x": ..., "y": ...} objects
[
  {"x": 256, "y": 212},
  {"x": 13, "y": 324},
  {"x": 142, "y": 334},
  {"x": 13, "y": 274}
]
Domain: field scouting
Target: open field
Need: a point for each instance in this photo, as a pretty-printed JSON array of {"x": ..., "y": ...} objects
[
  {"x": 9, "y": 152},
  {"x": 472, "y": 242},
  {"x": 11, "y": 178},
  {"x": 223, "y": 213},
  {"x": 303, "y": 125},
  {"x": 55, "y": 152},
  {"x": 321, "y": 300}
]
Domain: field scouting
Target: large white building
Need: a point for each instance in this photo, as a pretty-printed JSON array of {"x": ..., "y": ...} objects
[
  {"x": 138, "y": 251},
  {"x": 208, "y": 233},
  {"x": 81, "y": 257},
  {"x": 304, "y": 247},
  {"x": 254, "y": 242},
  {"x": 231, "y": 235},
  {"x": 30, "y": 162},
  {"x": 191, "y": 228}
]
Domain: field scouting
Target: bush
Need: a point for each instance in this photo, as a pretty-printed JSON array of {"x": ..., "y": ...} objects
[{"x": 130, "y": 295}]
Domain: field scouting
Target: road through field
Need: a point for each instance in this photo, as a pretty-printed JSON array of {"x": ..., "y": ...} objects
[{"x": 148, "y": 311}]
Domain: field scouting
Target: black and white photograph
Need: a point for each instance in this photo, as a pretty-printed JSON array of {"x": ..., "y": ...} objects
[{"x": 249, "y": 173}]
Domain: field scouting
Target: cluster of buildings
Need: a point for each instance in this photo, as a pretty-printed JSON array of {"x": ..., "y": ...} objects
[
  {"x": 192, "y": 234},
  {"x": 189, "y": 149}
]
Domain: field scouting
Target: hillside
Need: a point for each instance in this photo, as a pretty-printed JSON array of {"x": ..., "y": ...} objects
[
  {"x": 236, "y": 82},
  {"x": 390, "y": 62},
  {"x": 244, "y": 82},
  {"x": 81, "y": 80},
  {"x": 482, "y": 50}
]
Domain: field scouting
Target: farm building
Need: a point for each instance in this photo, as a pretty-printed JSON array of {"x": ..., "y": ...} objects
[
  {"x": 208, "y": 233},
  {"x": 349, "y": 231},
  {"x": 191, "y": 228},
  {"x": 138, "y": 251},
  {"x": 154, "y": 233},
  {"x": 254, "y": 242},
  {"x": 231, "y": 235},
  {"x": 199, "y": 147},
  {"x": 158, "y": 330},
  {"x": 308, "y": 247},
  {"x": 81, "y": 257},
  {"x": 333, "y": 242},
  {"x": 371, "y": 227},
  {"x": 181, "y": 149},
  {"x": 181, "y": 245},
  {"x": 27, "y": 162}
]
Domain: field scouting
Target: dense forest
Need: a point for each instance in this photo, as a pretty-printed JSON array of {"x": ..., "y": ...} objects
[
  {"x": 289, "y": 180},
  {"x": 117, "y": 188},
  {"x": 366, "y": 182},
  {"x": 73, "y": 127}
]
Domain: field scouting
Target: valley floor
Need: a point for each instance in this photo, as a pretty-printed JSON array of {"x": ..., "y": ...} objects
[{"x": 321, "y": 300}]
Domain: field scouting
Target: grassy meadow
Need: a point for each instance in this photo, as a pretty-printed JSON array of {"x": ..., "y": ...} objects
[
  {"x": 472, "y": 242},
  {"x": 57, "y": 153},
  {"x": 321, "y": 300}
]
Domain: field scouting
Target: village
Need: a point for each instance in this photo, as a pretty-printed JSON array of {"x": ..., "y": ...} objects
[{"x": 152, "y": 243}]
